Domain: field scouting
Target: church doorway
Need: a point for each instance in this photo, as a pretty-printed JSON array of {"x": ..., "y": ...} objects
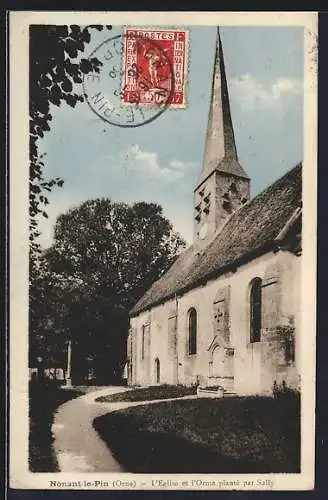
[
  {"x": 157, "y": 371},
  {"x": 221, "y": 367},
  {"x": 129, "y": 372}
]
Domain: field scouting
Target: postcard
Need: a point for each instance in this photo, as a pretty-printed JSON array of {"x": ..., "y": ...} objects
[{"x": 163, "y": 177}]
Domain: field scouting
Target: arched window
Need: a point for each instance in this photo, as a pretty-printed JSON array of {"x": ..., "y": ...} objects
[
  {"x": 143, "y": 343},
  {"x": 192, "y": 331},
  {"x": 157, "y": 371},
  {"x": 255, "y": 310}
]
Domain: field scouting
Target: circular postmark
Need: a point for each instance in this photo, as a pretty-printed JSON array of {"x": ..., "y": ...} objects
[{"x": 135, "y": 83}]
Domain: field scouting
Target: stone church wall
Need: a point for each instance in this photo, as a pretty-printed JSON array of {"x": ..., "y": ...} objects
[
  {"x": 223, "y": 321},
  {"x": 162, "y": 325}
]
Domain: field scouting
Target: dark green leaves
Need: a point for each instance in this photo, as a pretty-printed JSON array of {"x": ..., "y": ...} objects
[
  {"x": 104, "y": 257},
  {"x": 86, "y": 66},
  {"x": 67, "y": 85}
]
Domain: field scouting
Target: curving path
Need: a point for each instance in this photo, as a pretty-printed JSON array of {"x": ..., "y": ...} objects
[{"x": 77, "y": 445}]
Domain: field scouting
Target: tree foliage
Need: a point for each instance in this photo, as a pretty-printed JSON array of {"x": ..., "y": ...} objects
[
  {"x": 56, "y": 69},
  {"x": 48, "y": 313},
  {"x": 104, "y": 257}
]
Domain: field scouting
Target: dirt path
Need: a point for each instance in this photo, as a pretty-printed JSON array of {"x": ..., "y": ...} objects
[{"x": 77, "y": 445}]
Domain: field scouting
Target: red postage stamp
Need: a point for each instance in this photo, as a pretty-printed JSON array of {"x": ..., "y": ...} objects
[{"x": 155, "y": 67}]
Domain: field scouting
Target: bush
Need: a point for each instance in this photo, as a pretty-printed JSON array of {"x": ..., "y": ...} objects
[
  {"x": 282, "y": 391},
  {"x": 211, "y": 387},
  {"x": 150, "y": 393}
]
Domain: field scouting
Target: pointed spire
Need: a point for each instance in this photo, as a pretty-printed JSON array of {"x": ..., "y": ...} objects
[{"x": 220, "y": 148}]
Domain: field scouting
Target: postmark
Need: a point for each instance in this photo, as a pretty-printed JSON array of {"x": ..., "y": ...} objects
[
  {"x": 104, "y": 91},
  {"x": 122, "y": 94},
  {"x": 143, "y": 73}
]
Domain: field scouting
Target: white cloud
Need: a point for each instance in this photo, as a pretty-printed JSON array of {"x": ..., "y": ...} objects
[
  {"x": 147, "y": 162},
  {"x": 252, "y": 94}
]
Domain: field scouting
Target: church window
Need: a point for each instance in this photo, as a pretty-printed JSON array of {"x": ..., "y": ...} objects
[
  {"x": 192, "y": 331},
  {"x": 255, "y": 310},
  {"x": 233, "y": 188},
  {"x": 129, "y": 345},
  {"x": 157, "y": 371},
  {"x": 290, "y": 348},
  {"x": 143, "y": 343}
]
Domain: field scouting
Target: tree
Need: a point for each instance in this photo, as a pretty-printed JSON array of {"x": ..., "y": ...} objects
[
  {"x": 56, "y": 70},
  {"x": 47, "y": 318},
  {"x": 104, "y": 257}
]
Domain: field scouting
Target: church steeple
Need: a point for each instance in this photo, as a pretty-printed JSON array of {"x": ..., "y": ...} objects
[{"x": 223, "y": 184}]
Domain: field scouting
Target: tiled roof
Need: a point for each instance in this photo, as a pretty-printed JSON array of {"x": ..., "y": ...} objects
[{"x": 250, "y": 231}]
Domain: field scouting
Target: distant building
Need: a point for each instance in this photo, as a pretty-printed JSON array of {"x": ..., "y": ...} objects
[{"x": 227, "y": 312}]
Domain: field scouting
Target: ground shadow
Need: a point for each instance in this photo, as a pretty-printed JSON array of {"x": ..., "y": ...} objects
[{"x": 142, "y": 451}]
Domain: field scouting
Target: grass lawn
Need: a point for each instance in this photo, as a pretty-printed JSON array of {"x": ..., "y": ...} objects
[
  {"x": 44, "y": 400},
  {"x": 149, "y": 393},
  {"x": 230, "y": 435}
]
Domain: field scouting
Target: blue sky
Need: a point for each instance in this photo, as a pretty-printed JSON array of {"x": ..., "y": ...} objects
[{"x": 160, "y": 161}]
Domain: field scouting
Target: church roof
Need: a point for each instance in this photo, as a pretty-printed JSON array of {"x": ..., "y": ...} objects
[{"x": 250, "y": 231}]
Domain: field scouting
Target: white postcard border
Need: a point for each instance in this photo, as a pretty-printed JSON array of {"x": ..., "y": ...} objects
[{"x": 20, "y": 477}]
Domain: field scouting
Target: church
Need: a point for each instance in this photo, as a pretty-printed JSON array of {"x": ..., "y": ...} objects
[{"x": 227, "y": 312}]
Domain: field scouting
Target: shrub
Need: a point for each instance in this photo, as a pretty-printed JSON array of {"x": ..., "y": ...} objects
[
  {"x": 165, "y": 391},
  {"x": 282, "y": 391}
]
